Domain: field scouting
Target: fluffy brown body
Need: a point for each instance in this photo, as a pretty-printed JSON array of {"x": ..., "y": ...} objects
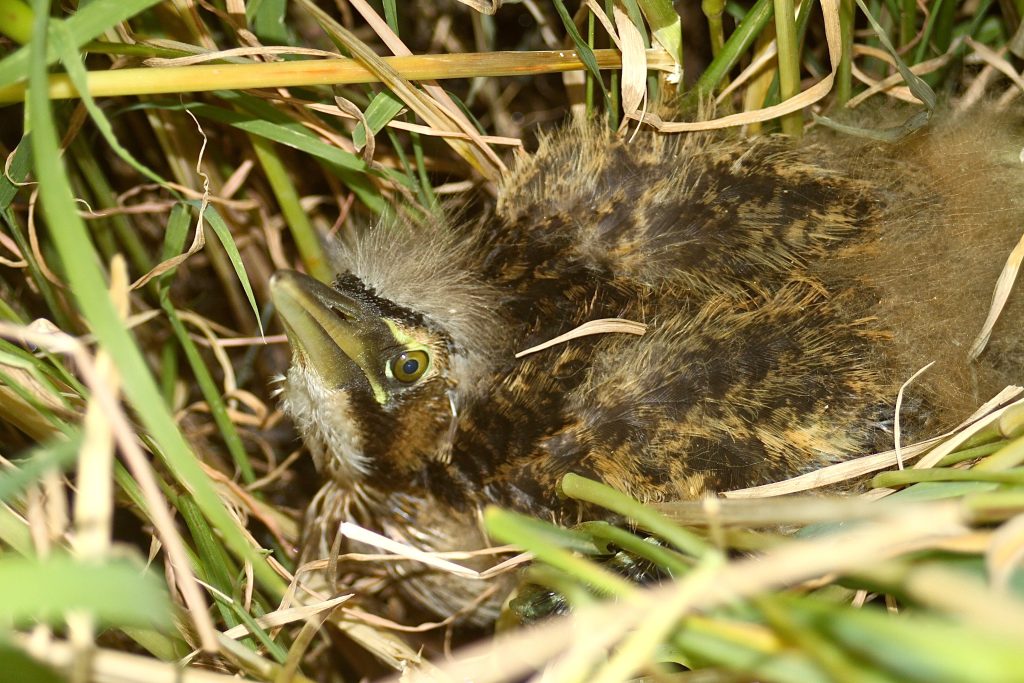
[{"x": 788, "y": 292}]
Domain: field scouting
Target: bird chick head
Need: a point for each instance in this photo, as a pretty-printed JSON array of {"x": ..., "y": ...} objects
[
  {"x": 383, "y": 359},
  {"x": 371, "y": 386}
]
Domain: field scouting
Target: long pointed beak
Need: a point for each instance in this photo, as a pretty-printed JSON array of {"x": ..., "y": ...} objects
[{"x": 329, "y": 332}]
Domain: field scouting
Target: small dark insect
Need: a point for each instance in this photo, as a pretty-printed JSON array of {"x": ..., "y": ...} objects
[{"x": 788, "y": 292}]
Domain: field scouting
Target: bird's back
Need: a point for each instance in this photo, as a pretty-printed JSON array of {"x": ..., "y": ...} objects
[{"x": 788, "y": 292}]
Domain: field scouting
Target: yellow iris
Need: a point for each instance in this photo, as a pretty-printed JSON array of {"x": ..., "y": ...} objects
[{"x": 409, "y": 366}]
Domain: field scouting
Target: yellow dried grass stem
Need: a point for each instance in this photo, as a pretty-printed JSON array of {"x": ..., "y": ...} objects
[
  {"x": 858, "y": 467},
  {"x": 999, "y": 297},
  {"x": 207, "y": 77},
  {"x": 111, "y": 666},
  {"x": 602, "y": 326}
]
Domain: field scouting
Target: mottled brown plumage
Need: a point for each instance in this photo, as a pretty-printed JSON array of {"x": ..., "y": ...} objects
[{"x": 788, "y": 292}]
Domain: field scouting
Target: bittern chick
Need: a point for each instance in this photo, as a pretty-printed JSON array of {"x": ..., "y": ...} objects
[{"x": 787, "y": 290}]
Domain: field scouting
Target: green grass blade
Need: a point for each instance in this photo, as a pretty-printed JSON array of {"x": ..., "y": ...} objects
[
  {"x": 538, "y": 537},
  {"x": 918, "y": 87},
  {"x": 177, "y": 227},
  {"x": 89, "y": 22},
  {"x": 597, "y": 493},
  {"x": 69, "y": 57},
  {"x": 667, "y": 559},
  {"x": 351, "y": 169},
  {"x": 666, "y": 25},
  {"x": 283, "y": 132},
  {"x": 735, "y": 48},
  {"x": 19, "y": 667},
  {"x": 383, "y": 108},
  {"x": 216, "y": 565},
  {"x": 904, "y": 477},
  {"x": 227, "y": 242},
  {"x": 58, "y": 455},
  {"x": 267, "y": 19},
  {"x": 306, "y": 238},
  {"x": 391, "y": 15},
  {"x": 85, "y": 278},
  {"x": 582, "y": 48},
  {"x": 20, "y": 163},
  {"x": 116, "y": 592},
  {"x": 918, "y": 648}
]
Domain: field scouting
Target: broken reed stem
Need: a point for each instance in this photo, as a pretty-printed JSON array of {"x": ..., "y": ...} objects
[{"x": 207, "y": 77}]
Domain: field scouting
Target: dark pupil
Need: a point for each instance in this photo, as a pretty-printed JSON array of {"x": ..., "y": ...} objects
[{"x": 410, "y": 366}]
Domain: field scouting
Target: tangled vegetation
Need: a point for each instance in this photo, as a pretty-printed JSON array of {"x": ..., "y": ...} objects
[{"x": 163, "y": 158}]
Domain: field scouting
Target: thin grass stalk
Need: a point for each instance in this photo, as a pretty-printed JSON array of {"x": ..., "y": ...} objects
[
  {"x": 403, "y": 160},
  {"x": 844, "y": 75},
  {"x": 588, "y": 491},
  {"x": 665, "y": 558},
  {"x": 929, "y": 28},
  {"x": 734, "y": 49},
  {"x": 713, "y": 11},
  {"x": 789, "y": 63},
  {"x": 908, "y": 21},
  {"x": 127, "y": 236},
  {"x": 210, "y": 392},
  {"x": 969, "y": 454},
  {"x": 55, "y": 303},
  {"x": 526, "y": 531},
  {"x": 905, "y": 477},
  {"x": 140, "y": 50},
  {"x": 426, "y": 190},
  {"x": 803, "y": 17},
  {"x": 591, "y": 32},
  {"x": 614, "y": 106},
  {"x": 1009, "y": 456},
  {"x": 587, "y": 54}
]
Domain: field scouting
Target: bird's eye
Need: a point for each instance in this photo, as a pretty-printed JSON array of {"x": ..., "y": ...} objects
[{"x": 409, "y": 366}]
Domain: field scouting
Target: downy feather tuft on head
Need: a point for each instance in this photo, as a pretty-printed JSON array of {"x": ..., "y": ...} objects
[{"x": 428, "y": 269}]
